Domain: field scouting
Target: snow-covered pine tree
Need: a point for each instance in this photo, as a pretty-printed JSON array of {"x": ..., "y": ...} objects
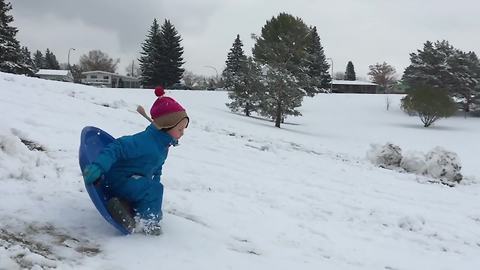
[
  {"x": 282, "y": 50},
  {"x": 440, "y": 65},
  {"x": 282, "y": 94},
  {"x": 38, "y": 60},
  {"x": 242, "y": 79},
  {"x": 429, "y": 66},
  {"x": 150, "y": 59},
  {"x": 51, "y": 60},
  {"x": 350, "y": 72},
  {"x": 27, "y": 61},
  {"x": 317, "y": 66},
  {"x": 10, "y": 51},
  {"x": 463, "y": 77},
  {"x": 172, "y": 70},
  {"x": 245, "y": 87},
  {"x": 235, "y": 61}
]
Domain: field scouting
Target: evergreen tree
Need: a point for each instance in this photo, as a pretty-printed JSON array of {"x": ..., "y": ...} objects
[
  {"x": 172, "y": 53},
  {"x": 245, "y": 87},
  {"x": 39, "y": 60},
  {"x": 161, "y": 58},
  {"x": 76, "y": 73},
  {"x": 11, "y": 58},
  {"x": 278, "y": 101},
  {"x": 440, "y": 65},
  {"x": 27, "y": 61},
  {"x": 464, "y": 77},
  {"x": 429, "y": 103},
  {"x": 317, "y": 62},
  {"x": 150, "y": 59},
  {"x": 350, "y": 72},
  {"x": 282, "y": 50},
  {"x": 429, "y": 66},
  {"x": 235, "y": 60},
  {"x": 51, "y": 60},
  {"x": 242, "y": 80}
]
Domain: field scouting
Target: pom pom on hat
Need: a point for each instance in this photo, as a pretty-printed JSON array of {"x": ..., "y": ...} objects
[
  {"x": 159, "y": 91},
  {"x": 165, "y": 111}
]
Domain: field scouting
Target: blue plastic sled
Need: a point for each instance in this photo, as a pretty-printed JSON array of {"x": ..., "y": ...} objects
[{"x": 92, "y": 141}]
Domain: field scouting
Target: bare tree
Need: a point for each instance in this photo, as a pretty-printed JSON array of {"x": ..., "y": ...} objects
[
  {"x": 339, "y": 75},
  {"x": 133, "y": 69},
  {"x": 384, "y": 75},
  {"x": 98, "y": 60}
]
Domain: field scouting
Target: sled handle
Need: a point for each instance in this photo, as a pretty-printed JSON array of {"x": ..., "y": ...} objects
[{"x": 141, "y": 111}]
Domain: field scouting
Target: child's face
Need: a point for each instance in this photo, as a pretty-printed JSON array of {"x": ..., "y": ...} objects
[{"x": 177, "y": 131}]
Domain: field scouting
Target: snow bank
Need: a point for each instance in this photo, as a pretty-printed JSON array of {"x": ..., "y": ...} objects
[
  {"x": 21, "y": 158},
  {"x": 443, "y": 165},
  {"x": 413, "y": 162},
  {"x": 385, "y": 156},
  {"x": 438, "y": 163}
]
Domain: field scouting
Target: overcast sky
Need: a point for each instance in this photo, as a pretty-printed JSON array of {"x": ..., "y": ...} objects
[{"x": 362, "y": 31}]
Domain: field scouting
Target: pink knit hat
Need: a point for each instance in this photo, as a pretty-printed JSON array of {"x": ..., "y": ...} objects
[{"x": 166, "y": 112}]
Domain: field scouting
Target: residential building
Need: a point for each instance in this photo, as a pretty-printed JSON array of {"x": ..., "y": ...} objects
[
  {"x": 111, "y": 80},
  {"x": 361, "y": 87},
  {"x": 56, "y": 75}
]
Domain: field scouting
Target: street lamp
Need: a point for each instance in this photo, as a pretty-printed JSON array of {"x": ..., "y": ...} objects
[
  {"x": 212, "y": 67},
  {"x": 216, "y": 76},
  {"x": 331, "y": 80},
  {"x": 68, "y": 61}
]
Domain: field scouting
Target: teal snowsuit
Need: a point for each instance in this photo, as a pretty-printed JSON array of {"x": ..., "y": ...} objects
[{"x": 133, "y": 166}]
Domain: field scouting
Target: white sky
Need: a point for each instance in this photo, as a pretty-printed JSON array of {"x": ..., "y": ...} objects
[{"x": 364, "y": 32}]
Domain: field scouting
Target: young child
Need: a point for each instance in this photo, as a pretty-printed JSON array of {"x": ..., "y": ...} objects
[{"x": 132, "y": 166}]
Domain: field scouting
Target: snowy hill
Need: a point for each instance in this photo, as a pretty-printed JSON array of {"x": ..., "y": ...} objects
[{"x": 239, "y": 193}]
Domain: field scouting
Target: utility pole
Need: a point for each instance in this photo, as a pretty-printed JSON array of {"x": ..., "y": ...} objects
[
  {"x": 68, "y": 59},
  {"x": 331, "y": 81}
]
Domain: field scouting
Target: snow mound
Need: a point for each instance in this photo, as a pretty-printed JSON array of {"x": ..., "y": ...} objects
[
  {"x": 20, "y": 159},
  {"x": 443, "y": 165},
  {"x": 385, "y": 156},
  {"x": 413, "y": 162},
  {"x": 438, "y": 163},
  {"x": 411, "y": 223}
]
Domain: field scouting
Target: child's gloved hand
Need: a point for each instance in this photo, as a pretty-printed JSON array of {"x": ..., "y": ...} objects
[{"x": 91, "y": 173}]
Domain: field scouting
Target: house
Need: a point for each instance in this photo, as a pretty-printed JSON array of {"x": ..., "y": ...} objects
[
  {"x": 361, "y": 87},
  {"x": 56, "y": 75},
  {"x": 111, "y": 80}
]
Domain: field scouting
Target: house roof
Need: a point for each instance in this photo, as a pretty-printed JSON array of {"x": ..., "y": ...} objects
[
  {"x": 345, "y": 82},
  {"x": 100, "y": 72},
  {"x": 111, "y": 74},
  {"x": 53, "y": 72}
]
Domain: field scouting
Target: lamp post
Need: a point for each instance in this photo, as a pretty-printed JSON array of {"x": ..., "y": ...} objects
[
  {"x": 212, "y": 67},
  {"x": 68, "y": 59},
  {"x": 331, "y": 80},
  {"x": 216, "y": 76}
]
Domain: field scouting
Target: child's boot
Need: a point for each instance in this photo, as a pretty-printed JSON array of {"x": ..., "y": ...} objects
[{"x": 121, "y": 214}]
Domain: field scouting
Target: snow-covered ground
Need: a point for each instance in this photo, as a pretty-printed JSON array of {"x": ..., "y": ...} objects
[{"x": 239, "y": 193}]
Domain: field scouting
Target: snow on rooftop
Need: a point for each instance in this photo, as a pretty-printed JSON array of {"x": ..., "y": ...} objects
[
  {"x": 345, "y": 82},
  {"x": 52, "y": 72}
]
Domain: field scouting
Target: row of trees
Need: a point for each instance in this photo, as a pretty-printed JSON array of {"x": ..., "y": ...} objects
[
  {"x": 160, "y": 62},
  {"x": 288, "y": 64},
  {"x": 49, "y": 61}
]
